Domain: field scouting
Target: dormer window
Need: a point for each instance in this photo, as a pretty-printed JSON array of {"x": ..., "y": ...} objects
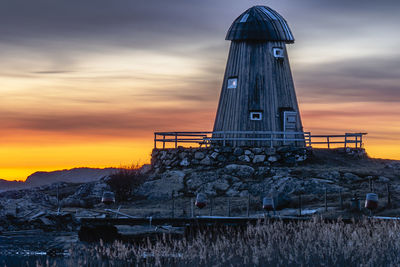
[
  {"x": 278, "y": 52},
  {"x": 232, "y": 83},
  {"x": 255, "y": 115}
]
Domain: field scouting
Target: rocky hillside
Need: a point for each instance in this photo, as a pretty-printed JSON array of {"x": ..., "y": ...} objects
[{"x": 330, "y": 170}]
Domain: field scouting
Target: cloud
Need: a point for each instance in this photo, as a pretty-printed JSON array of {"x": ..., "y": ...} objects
[{"x": 371, "y": 78}]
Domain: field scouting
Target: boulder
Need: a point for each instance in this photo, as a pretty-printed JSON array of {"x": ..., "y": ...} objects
[
  {"x": 244, "y": 193},
  {"x": 214, "y": 155},
  {"x": 258, "y": 158},
  {"x": 221, "y": 158},
  {"x": 232, "y": 192},
  {"x": 199, "y": 155},
  {"x": 257, "y": 150},
  {"x": 206, "y": 161},
  {"x": 184, "y": 162},
  {"x": 351, "y": 177},
  {"x": 263, "y": 171},
  {"x": 161, "y": 189},
  {"x": 182, "y": 155},
  {"x": 333, "y": 175},
  {"x": 238, "y": 151},
  {"x": 242, "y": 171},
  {"x": 220, "y": 185},
  {"x": 270, "y": 151},
  {"x": 244, "y": 158},
  {"x": 197, "y": 179},
  {"x": 292, "y": 186},
  {"x": 272, "y": 158},
  {"x": 383, "y": 179}
]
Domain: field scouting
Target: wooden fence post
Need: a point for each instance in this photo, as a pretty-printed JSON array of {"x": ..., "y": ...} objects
[
  {"x": 176, "y": 140},
  {"x": 327, "y": 139},
  {"x": 163, "y": 142},
  {"x": 370, "y": 184}
]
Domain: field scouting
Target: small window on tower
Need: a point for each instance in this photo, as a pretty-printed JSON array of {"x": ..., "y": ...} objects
[
  {"x": 255, "y": 115},
  {"x": 232, "y": 83},
  {"x": 278, "y": 52}
]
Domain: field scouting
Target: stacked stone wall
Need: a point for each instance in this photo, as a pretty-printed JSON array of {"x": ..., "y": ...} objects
[{"x": 222, "y": 156}]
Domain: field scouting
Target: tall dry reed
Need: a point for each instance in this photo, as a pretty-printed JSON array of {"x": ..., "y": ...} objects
[{"x": 313, "y": 243}]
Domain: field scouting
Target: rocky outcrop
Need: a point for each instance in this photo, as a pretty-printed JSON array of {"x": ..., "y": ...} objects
[
  {"x": 162, "y": 188},
  {"x": 87, "y": 195}
]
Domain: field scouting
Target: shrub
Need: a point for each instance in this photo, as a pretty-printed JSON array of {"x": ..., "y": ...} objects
[{"x": 125, "y": 181}]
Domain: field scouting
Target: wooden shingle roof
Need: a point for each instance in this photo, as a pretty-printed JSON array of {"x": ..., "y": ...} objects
[{"x": 260, "y": 23}]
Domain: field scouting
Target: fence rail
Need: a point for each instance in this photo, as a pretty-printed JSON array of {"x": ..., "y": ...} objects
[{"x": 272, "y": 138}]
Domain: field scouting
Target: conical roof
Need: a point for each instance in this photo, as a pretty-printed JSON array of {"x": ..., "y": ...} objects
[{"x": 260, "y": 23}]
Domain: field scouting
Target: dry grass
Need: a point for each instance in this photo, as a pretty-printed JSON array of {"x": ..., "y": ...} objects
[{"x": 285, "y": 244}]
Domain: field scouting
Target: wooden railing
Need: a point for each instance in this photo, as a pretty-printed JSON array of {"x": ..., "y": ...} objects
[
  {"x": 345, "y": 139},
  {"x": 271, "y": 138}
]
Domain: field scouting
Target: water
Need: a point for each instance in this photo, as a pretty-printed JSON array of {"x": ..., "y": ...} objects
[{"x": 35, "y": 247}]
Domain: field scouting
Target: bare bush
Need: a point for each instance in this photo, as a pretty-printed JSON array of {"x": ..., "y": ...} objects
[{"x": 125, "y": 181}]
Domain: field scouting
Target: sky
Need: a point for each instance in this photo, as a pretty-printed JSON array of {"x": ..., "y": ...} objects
[{"x": 86, "y": 83}]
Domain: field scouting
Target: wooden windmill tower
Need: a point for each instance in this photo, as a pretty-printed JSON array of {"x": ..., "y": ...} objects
[{"x": 258, "y": 92}]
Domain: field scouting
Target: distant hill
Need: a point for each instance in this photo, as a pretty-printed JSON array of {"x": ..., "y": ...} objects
[
  {"x": 76, "y": 175},
  {"x": 7, "y": 185}
]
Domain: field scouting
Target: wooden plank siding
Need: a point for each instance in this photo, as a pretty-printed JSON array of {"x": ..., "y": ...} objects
[{"x": 264, "y": 84}]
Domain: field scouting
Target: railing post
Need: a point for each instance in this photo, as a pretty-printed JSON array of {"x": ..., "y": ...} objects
[
  {"x": 327, "y": 139},
  {"x": 284, "y": 138},
  {"x": 163, "y": 142},
  {"x": 176, "y": 140},
  {"x": 356, "y": 141},
  {"x": 155, "y": 140},
  {"x": 345, "y": 140},
  {"x": 224, "y": 141},
  {"x": 361, "y": 142},
  {"x": 271, "y": 138}
]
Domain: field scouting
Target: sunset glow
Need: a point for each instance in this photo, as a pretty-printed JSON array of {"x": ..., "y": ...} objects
[{"x": 89, "y": 89}]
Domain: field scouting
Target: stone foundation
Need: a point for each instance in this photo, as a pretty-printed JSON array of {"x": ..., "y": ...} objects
[{"x": 221, "y": 156}]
